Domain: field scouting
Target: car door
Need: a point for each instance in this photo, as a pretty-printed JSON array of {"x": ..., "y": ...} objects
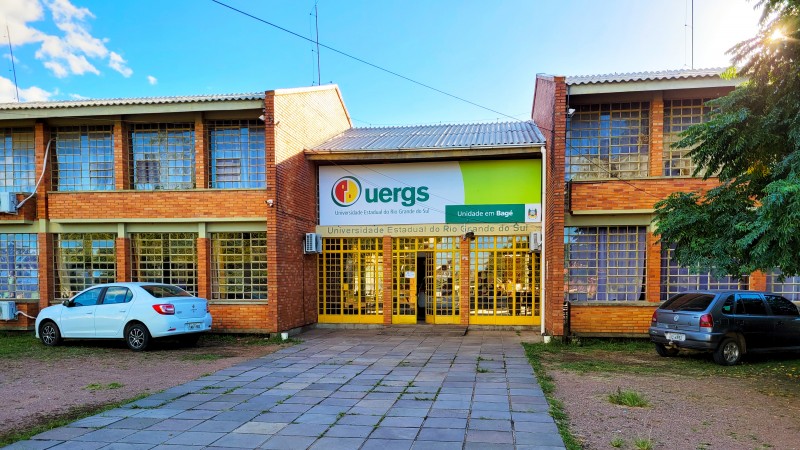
[
  {"x": 753, "y": 320},
  {"x": 787, "y": 321},
  {"x": 77, "y": 319},
  {"x": 112, "y": 312}
]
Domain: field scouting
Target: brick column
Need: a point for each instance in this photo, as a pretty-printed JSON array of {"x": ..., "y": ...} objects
[
  {"x": 463, "y": 296},
  {"x": 201, "y": 153},
  {"x": 758, "y": 281},
  {"x": 388, "y": 278},
  {"x": 123, "y": 248},
  {"x": 555, "y": 210},
  {"x": 653, "y": 268},
  {"x": 46, "y": 293},
  {"x": 657, "y": 135},
  {"x": 41, "y": 138},
  {"x": 122, "y": 157},
  {"x": 204, "y": 268}
]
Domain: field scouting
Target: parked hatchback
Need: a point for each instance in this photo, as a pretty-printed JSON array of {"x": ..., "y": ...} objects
[
  {"x": 727, "y": 323},
  {"x": 136, "y": 312}
]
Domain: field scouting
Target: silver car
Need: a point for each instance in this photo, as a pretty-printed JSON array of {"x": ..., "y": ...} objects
[{"x": 727, "y": 323}]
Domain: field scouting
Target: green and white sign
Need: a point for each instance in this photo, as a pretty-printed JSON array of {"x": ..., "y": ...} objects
[{"x": 443, "y": 192}]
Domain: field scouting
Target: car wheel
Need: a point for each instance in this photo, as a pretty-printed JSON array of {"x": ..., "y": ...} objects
[
  {"x": 728, "y": 353},
  {"x": 137, "y": 337},
  {"x": 49, "y": 334},
  {"x": 189, "y": 340},
  {"x": 665, "y": 351}
]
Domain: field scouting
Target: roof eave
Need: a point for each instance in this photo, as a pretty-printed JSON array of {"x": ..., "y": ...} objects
[
  {"x": 402, "y": 154},
  {"x": 124, "y": 109},
  {"x": 651, "y": 85}
]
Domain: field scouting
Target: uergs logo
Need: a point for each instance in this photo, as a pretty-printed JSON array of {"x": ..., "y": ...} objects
[{"x": 346, "y": 191}]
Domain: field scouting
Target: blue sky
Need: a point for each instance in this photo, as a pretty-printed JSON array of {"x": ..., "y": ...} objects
[{"x": 485, "y": 51}]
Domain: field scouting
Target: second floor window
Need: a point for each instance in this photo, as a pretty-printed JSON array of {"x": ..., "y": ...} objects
[
  {"x": 84, "y": 158},
  {"x": 162, "y": 156},
  {"x": 608, "y": 141},
  {"x": 678, "y": 116},
  {"x": 238, "y": 155},
  {"x": 17, "y": 163}
]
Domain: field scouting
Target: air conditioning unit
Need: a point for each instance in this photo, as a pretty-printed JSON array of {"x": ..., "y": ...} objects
[
  {"x": 8, "y": 311},
  {"x": 312, "y": 244},
  {"x": 8, "y": 202},
  {"x": 535, "y": 242}
]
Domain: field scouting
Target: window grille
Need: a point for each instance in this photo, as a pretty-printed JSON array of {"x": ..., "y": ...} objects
[
  {"x": 163, "y": 156},
  {"x": 678, "y": 116},
  {"x": 605, "y": 263},
  {"x": 19, "y": 266},
  {"x": 789, "y": 287},
  {"x": 17, "y": 162},
  {"x": 239, "y": 266},
  {"x": 238, "y": 154},
  {"x": 351, "y": 277},
  {"x": 83, "y": 260},
  {"x": 504, "y": 277},
  {"x": 608, "y": 141},
  {"x": 84, "y": 158},
  {"x": 165, "y": 258},
  {"x": 675, "y": 279}
]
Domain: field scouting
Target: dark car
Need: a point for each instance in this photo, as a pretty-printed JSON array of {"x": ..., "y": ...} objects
[{"x": 727, "y": 323}]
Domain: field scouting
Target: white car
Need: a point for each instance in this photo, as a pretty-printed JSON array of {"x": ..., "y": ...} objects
[{"x": 136, "y": 312}]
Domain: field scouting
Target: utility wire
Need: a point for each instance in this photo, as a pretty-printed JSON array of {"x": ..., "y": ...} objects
[{"x": 348, "y": 55}]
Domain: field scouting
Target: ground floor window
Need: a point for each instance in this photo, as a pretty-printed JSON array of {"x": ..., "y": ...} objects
[
  {"x": 789, "y": 287},
  {"x": 504, "y": 277},
  {"x": 83, "y": 260},
  {"x": 605, "y": 263},
  {"x": 239, "y": 266},
  {"x": 165, "y": 258},
  {"x": 19, "y": 266},
  {"x": 351, "y": 277},
  {"x": 675, "y": 279}
]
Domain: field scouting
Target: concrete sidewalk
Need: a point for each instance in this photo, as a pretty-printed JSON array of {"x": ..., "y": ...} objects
[{"x": 342, "y": 389}]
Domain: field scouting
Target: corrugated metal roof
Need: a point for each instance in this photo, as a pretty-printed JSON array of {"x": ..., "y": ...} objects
[
  {"x": 132, "y": 101},
  {"x": 501, "y": 134},
  {"x": 644, "y": 76}
]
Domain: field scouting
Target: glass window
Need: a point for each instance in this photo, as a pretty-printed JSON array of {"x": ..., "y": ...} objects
[
  {"x": 351, "y": 277},
  {"x": 165, "y": 291},
  {"x": 608, "y": 141},
  {"x": 688, "y": 302},
  {"x": 169, "y": 258},
  {"x": 678, "y": 116},
  {"x": 162, "y": 156},
  {"x": 504, "y": 277},
  {"x": 675, "y": 279},
  {"x": 780, "y": 306},
  {"x": 239, "y": 266},
  {"x": 84, "y": 158},
  {"x": 117, "y": 294},
  {"x": 751, "y": 306},
  {"x": 19, "y": 266},
  {"x": 238, "y": 154},
  {"x": 788, "y": 287},
  {"x": 88, "y": 298},
  {"x": 17, "y": 162},
  {"x": 605, "y": 263},
  {"x": 83, "y": 260}
]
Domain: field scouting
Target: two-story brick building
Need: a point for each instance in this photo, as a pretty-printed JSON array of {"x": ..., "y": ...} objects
[{"x": 610, "y": 158}]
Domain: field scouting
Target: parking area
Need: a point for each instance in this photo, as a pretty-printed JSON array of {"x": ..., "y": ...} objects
[{"x": 396, "y": 388}]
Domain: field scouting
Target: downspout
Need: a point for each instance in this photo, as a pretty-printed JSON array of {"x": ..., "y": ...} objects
[{"x": 542, "y": 258}]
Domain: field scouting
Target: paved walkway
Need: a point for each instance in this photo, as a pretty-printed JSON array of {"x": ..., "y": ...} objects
[{"x": 342, "y": 389}]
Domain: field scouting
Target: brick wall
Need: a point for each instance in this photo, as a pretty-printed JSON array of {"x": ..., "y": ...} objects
[
  {"x": 296, "y": 120},
  {"x": 549, "y": 113},
  {"x": 630, "y": 194},
  {"x": 611, "y": 319},
  {"x": 240, "y": 318}
]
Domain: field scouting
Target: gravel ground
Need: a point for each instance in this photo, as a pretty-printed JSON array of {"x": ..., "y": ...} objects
[
  {"x": 685, "y": 413},
  {"x": 35, "y": 390}
]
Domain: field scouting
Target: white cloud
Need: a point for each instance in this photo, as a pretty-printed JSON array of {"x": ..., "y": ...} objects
[
  {"x": 116, "y": 62},
  {"x": 78, "y": 97},
  {"x": 74, "y": 51},
  {"x": 8, "y": 93},
  {"x": 152, "y": 80}
]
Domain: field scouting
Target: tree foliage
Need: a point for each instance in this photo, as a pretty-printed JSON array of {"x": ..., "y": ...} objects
[{"x": 751, "y": 141}]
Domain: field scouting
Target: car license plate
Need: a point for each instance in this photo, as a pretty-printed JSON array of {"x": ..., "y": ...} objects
[
  {"x": 675, "y": 336},
  {"x": 194, "y": 326}
]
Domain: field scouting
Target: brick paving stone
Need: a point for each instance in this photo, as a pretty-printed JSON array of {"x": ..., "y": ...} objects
[
  {"x": 241, "y": 440},
  {"x": 387, "y": 444},
  {"x": 149, "y": 437},
  {"x": 225, "y": 426},
  {"x": 197, "y": 438},
  {"x": 441, "y": 434}
]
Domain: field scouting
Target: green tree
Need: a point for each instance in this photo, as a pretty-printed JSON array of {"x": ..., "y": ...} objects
[{"x": 751, "y": 141}]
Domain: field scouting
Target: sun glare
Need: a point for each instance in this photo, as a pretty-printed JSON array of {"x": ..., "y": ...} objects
[{"x": 777, "y": 35}]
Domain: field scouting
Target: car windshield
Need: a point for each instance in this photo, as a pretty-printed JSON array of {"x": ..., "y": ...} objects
[
  {"x": 688, "y": 302},
  {"x": 164, "y": 291}
]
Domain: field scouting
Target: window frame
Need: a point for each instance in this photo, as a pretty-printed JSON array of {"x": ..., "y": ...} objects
[
  {"x": 82, "y": 155},
  {"x": 243, "y": 141},
  {"x": 17, "y": 144}
]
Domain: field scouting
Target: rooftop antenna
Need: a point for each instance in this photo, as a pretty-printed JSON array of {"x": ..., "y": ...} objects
[
  {"x": 316, "y": 24},
  {"x": 13, "y": 65}
]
